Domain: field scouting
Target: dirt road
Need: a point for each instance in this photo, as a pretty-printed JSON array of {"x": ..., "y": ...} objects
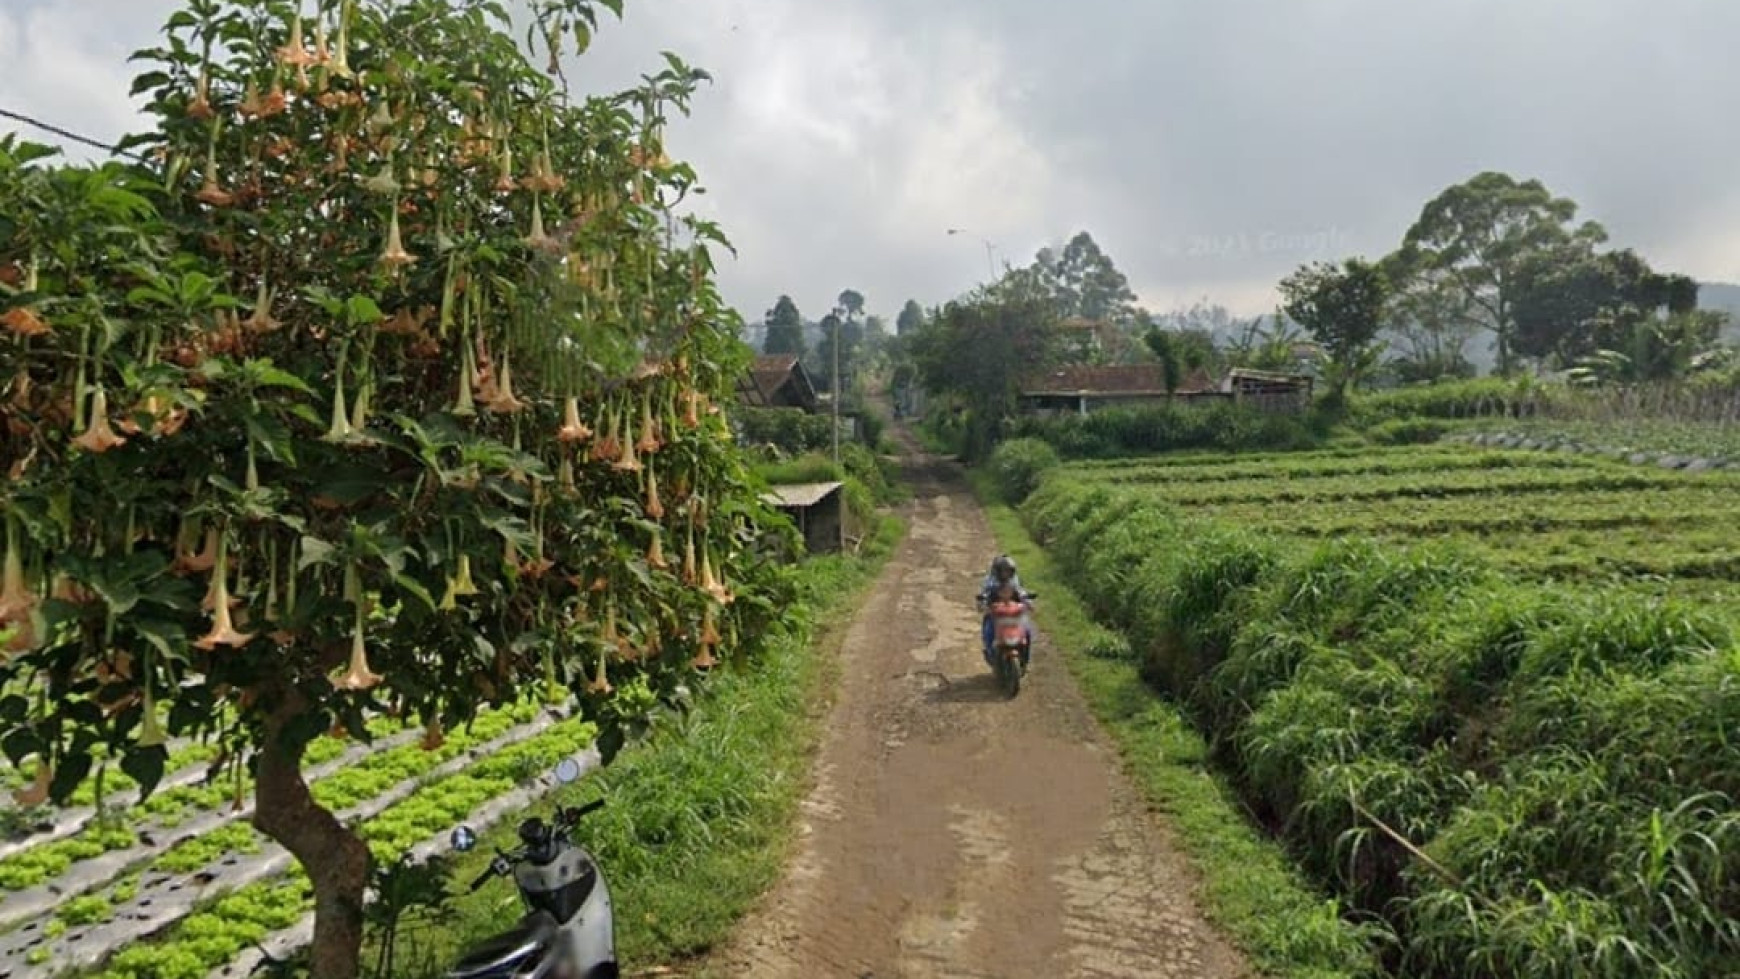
[{"x": 953, "y": 833}]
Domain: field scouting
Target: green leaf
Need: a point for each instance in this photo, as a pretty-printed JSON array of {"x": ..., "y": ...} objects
[
  {"x": 71, "y": 770},
  {"x": 362, "y": 309},
  {"x": 263, "y": 373},
  {"x": 315, "y": 552},
  {"x": 119, "y": 595},
  {"x": 145, "y": 766},
  {"x": 166, "y": 637},
  {"x": 416, "y": 588}
]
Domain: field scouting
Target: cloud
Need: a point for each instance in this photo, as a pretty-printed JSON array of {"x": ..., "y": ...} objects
[{"x": 1210, "y": 148}]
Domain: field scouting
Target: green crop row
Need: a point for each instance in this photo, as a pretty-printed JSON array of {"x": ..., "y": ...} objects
[
  {"x": 339, "y": 791},
  {"x": 1418, "y": 486},
  {"x": 207, "y": 939},
  {"x": 1521, "y": 779},
  {"x": 1403, "y": 462}
]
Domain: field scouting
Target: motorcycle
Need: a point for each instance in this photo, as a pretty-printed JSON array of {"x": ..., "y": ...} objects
[
  {"x": 568, "y": 931},
  {"x": 1011, "y": 641}
]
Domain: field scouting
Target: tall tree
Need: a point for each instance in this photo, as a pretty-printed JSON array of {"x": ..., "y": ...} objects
[
  {"x": 1571, "y": 305},
  {"x": 981, "y": 348},
  {"x": 1342, "y": 308},
  {"x": 852, "y": 301},
  {"x": 1474, "y": 240},
  {"x": 1165, "y": 350},
  {"x": 1084, "y": 281},
  {"x": 910, "y": 319},
  {"x": 785, "y": 329}
]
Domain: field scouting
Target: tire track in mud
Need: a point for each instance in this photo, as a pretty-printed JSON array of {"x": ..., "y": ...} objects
[{"x": 953, "y": 834}]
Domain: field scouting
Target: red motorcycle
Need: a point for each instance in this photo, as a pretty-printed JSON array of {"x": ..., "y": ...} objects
[{"x": 1011, "y": 640}]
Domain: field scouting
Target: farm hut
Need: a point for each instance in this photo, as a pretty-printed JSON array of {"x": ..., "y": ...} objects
[{"x": 819, "y": 509}]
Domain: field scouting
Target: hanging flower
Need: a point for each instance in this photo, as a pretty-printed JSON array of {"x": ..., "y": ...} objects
[
  {"x": 98, "y": 436},
  {"x": 690, "y": 575},
  {"x": 358, "y": 676},
  {"x": 295, "y": 54},
  {"x": 655, "y": 508},
  {"x": 565, "y": 475},
  {"x": 261, "y": 321},
  {"x": 223, "y": 631},
  {"x": 461, "y": 584},
  {"x": 649, "y": 442},
  {"x": 200, "y": 107},
  {"x": 17, "y": 599},
  {"x": 251, "y": 106},
  {"x": 383, "y": 182},
  {"x": 573, "y": 429},
  {"x": 504, "y": 402},
  {"x": 36, "y": 793},
  {"x": 150, "y": 731},
  {"x": 275, "y": 102},
  {"x": 393, "y": 253},
  {"x": 600, "y": 684},
  {"x": 23, "y": 321},
  {"x": 606, "y": 448},
  {"x": 340, "y": 429},
  {"x": 205, "y": 560},
  {"x": 655, "y": 552},
  {"x": 537, "y": 239}
]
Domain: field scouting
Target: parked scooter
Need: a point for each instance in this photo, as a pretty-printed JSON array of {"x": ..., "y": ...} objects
[{"x": 568, "y": 931}]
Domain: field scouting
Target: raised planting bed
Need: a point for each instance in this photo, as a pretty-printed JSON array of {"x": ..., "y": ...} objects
[
  {"x": 163, "y": 886},
  {"x": 196, "y": 931}
]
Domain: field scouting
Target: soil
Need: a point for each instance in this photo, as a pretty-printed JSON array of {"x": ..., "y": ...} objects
[{"x": 952, "y": 832}]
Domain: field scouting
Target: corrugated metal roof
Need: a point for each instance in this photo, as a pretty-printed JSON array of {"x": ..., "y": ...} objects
[{"x": 801, "y": 494}]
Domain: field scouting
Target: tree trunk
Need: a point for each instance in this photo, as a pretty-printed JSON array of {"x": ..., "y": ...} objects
[{"x": 336, "y": 859}]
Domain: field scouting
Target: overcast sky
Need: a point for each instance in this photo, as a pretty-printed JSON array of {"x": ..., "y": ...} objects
[{"x": 1210, "y": 147}]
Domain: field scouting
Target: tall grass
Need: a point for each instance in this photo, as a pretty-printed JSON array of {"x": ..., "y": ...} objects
[{"x": 1523, "y": 780}]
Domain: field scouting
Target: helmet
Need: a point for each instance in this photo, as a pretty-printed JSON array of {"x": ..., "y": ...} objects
[{"x": 1003, "y": 568}]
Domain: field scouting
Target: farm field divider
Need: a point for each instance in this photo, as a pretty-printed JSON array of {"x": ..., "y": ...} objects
[{"x": 1521, "y": 778}]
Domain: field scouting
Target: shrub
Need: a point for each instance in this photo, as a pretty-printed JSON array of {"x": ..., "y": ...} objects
[
  {"x": 1408, "y": 431},
  {"x": 1169, "y": 428},
  {"x": 1018, "y": 465}
]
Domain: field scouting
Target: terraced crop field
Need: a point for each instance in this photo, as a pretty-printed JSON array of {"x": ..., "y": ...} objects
[
  {"x": 179, "y": 885},
  {"x": 1486, "y": 696},
  {"x": 1543, "y": 515}
]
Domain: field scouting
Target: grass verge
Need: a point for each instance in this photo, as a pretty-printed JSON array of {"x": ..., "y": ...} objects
[
  {"x": 1250, "y": 889},
  {"x": 701, "y": 814}
]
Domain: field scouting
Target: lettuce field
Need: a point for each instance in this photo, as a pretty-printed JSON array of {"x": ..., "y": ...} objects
[
  {"x": 178, "y": 885},
  {"x": 1487, "y": 698}
]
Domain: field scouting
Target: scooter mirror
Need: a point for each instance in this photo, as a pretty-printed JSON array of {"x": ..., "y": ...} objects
[
  {"x": 568, "y": 770},
  {"x": 464, "y": 839}
]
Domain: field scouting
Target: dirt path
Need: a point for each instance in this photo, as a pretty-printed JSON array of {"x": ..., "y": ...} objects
[{"x": 952, "y": 833}]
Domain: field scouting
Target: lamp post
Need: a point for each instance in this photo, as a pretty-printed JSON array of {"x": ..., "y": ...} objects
[{"x": 990, "y": 266}]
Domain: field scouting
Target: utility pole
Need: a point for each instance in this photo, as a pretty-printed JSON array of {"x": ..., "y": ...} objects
[
  {"x": 990, "y": 265},
  {"x": 834, "y": 380}
]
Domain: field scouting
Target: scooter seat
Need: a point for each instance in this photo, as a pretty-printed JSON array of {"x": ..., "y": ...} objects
[{"x": 503, "y": 954}]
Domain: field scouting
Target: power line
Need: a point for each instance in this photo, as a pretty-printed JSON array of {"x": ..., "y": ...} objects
[{"x": 69, "y": 134}]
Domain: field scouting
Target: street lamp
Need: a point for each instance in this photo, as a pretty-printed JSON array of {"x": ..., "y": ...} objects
[{"x": 990, "y": 266}]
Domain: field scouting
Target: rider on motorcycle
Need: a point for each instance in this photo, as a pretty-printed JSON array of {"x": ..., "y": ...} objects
[{"x": 1002, "y": 573}]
